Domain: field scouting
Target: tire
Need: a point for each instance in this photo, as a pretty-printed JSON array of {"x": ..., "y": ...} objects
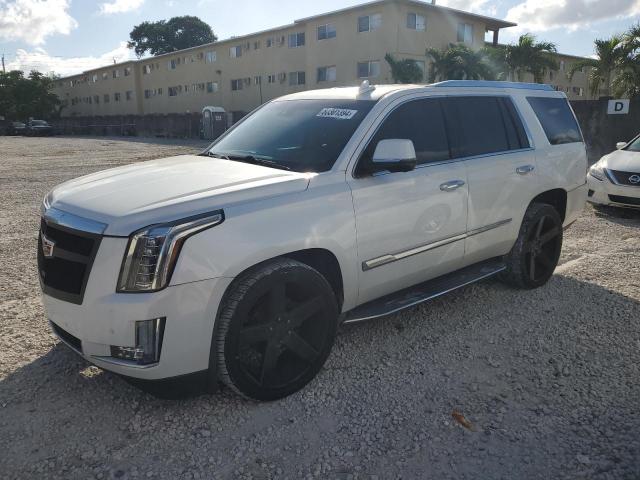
[
  {"x": 277, "y": 325},
  {"x": 535, "y": 255}
]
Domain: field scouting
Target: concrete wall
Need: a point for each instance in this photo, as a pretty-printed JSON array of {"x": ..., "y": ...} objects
[{"x": 602, "y": 131}]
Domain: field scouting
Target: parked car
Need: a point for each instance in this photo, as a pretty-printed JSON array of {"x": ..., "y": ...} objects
[
  {"x": 36, "y": 128},
  {"x": 615, "y": 179},
  {"x": 319, "y": 208},
  {"x": 15, "y": 128}
]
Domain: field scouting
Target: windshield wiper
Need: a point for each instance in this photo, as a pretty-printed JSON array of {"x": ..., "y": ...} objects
[{"x": 265, "y": 162}]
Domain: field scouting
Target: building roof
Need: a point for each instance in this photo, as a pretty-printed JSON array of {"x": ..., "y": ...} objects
[{"x": 492, "y": 23}]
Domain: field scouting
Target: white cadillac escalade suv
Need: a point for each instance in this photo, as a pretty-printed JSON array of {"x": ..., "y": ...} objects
[{"x": 322, "y": 207}]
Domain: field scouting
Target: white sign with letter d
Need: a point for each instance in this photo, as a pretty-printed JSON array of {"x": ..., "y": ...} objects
[{"x": 618, "y": 107}]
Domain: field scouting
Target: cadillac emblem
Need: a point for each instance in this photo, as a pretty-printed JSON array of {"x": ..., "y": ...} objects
[{"x": 47, "y": 246}]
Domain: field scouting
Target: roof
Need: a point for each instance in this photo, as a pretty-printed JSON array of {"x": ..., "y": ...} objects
[{"x": 376, "y": 92}]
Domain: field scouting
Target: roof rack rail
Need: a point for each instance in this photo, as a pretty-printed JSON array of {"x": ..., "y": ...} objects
[{"x": 494, "y": 84}]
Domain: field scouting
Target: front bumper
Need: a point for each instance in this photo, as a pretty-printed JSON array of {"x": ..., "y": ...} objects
[
  {"x": 107, "y": 318},
  {"x": 604, "y": 192}
]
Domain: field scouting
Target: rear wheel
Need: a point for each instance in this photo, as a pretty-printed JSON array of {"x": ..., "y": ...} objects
[
  {"x": 277, "y": 326},
  {"x": 535, "y": 255}
]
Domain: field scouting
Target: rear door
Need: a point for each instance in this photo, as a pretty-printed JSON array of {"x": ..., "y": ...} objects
[{"x": 488, "y": 133}]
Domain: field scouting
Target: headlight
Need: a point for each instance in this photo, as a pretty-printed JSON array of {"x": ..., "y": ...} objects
[
  {"x": 597, "y": 171},
  {"x": 153, "y": 251}
]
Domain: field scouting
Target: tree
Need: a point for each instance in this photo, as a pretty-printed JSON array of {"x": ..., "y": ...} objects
[
  {"x": 626, "y": 78},
  {"x": 458, "y": 62},
  {"x": 601, "y": 67},
  {"x": 529, "y": 56},
  {"x": 166, "y": 36},
  {"x": 404, "y": 71},
  {"x": 23, "y": 97}
]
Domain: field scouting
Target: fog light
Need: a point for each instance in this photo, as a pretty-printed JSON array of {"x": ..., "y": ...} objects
[{"x": 149, "y": 335}]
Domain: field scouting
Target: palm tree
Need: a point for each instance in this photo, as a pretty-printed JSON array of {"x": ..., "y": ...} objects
[
  {"x": 530, "y": 56},
  {"x": 404, "y": 71},
  {"x": 458, "y": 62},
  {"x": 626, "y": 78},
  {"x": 608, "y": 55}
]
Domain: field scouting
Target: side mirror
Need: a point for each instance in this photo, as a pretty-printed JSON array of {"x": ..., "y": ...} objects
[
  {"x": 620, "y": 145},
  {"x": 394, "y": 155}
]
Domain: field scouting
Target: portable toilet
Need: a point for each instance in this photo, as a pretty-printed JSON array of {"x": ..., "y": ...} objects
[{"x": 214, "y": 122}]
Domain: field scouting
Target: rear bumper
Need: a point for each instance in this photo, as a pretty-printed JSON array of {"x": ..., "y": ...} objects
[{"x": 603, "y": 192}]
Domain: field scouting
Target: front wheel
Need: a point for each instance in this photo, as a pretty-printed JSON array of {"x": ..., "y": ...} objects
[
  {"x": 277, "y": 326},
  {"x": 535, "y": 255}
]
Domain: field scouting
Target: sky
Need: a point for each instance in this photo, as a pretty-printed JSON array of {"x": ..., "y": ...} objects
[{"x": 70, "y": 36}]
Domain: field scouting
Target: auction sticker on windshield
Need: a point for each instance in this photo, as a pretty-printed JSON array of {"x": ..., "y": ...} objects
[{"x": 339, "y": 113}]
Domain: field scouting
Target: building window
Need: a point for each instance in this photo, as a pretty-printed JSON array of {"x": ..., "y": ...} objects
[
  {"x": 368, "y": 69},
  {"x": 327, "y": 74},
  {"x": 257, "y": 80},
  {"x": 270, "y": 42},
  {"x": 211, "y": 57},
  {"x": 257, "y": 45},
  {"x": 159, "y": 91},
  {"x": 271, "y": 78},
  {"x": 148, "y": 93},
  {"x": 129, "y": 95},
  {"x": 116, "y": 73},
  {"x": 146, "y": 69},
  {"x": 106, "y": 98},
  {"x": 94, "y": 78},
  {"x": 174, "y": 91},
  {"x": 235, "y": 52},
  {"x": 465, "y": 33},
  {"x": 416, "y": 22},
  {"x": 297, "y": 78},
  {"x": 96, "y": 99},
  {"x": 296, "y": 40},
  {"x": 236, "y": 84},
  {"x": 105, "y": 76},
  {"x": 127, "y": 71},
  {"x": 369, "y": 23},
  {"x": 116, "y": 97},
  {"x": 172, "y": 64},
  {"x": 562, "y": 65},
  {"x": 581, "y": 92},
  {"x": 326, "y": 31},
  {"x": 212, "y": 87}
]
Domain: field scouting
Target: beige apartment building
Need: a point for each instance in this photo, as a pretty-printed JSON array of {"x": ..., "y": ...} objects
[{"x": 338, "y": 48}]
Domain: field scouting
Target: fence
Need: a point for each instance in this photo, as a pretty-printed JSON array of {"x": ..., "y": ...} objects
[{"x": 602, "y": 131}]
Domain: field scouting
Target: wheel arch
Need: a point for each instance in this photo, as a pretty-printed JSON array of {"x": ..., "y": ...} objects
[{"x": 556, "y": 197}]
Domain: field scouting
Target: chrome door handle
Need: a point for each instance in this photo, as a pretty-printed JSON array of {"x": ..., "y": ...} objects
[
  {"x": 525, "y": 169},
  {"x": 451, "y": 186}
]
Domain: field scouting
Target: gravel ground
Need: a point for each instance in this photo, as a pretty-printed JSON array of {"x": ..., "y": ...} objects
[{"x": 545, "y": 382}]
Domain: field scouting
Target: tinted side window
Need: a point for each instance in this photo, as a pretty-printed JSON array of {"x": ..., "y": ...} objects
[
  {"x": 556, "y": 119},
  {"x": 420, "y": 121},
  {"x": 476, "y": 126},
  {"x": 516, "y": 134}
]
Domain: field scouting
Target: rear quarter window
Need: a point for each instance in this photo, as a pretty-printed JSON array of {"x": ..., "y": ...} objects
[{"x": 557, "y": 119}]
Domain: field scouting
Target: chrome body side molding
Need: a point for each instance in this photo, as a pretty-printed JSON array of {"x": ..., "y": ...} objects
[{"x": 394, "y": 257}]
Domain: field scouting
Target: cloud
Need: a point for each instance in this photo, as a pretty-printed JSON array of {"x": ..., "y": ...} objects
[
  {"x": 31, "y": 21},
  {"x": 540, "y": 15},
  {"x": 40, "y": 60},
  {"x": 475, "y": 6},
  {"x": 120, "y": 6}
]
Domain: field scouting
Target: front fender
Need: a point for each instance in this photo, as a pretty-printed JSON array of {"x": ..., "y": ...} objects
[{"x": 320, "y": 217}]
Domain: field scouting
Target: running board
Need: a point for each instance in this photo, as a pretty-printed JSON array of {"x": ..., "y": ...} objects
[{"x": 424, "y": 291}]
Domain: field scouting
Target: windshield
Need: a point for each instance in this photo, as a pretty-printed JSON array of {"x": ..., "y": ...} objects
[
  {"x": 38, "y": 123},
  {"x": 298, "y": 135},
  {"x": 634, "y": 146}
]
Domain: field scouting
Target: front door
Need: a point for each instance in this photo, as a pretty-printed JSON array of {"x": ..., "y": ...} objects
[{"x": 410, "y": 226}]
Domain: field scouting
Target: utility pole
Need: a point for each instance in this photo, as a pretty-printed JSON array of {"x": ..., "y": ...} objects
[{"x": 3, "y": 69}]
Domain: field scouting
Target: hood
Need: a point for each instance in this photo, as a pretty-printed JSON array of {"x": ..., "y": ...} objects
[
  {"x": 623, "y": 160},
  {"x": 135, "y": 196}
]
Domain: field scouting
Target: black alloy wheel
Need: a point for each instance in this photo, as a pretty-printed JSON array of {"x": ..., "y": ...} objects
[
  {"x": 277, "y": 328},
  {"x": 535, "y": 255}
]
